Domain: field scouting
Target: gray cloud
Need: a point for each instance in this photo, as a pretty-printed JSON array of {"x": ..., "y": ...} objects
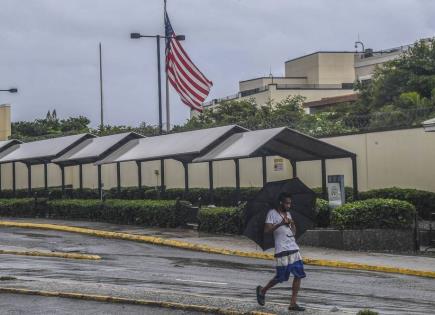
[{"x": 49, "y": 48}]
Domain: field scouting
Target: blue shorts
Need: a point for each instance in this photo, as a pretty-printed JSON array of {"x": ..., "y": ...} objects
[{"x": 289, "y": 264}]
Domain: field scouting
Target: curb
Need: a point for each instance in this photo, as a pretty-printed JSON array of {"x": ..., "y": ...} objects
[
  {"x": 214, "y": 250},
  {"x": 50, "y": 254},
  {"x": 113, "y": 299}
]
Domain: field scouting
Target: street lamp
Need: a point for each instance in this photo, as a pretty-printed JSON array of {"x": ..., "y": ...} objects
[
  {"x": 158, "y": 37},
  {"x": 12, "y": 90}
]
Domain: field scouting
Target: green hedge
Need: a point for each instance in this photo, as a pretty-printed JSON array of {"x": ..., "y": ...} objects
[
  {"x": 375, "y": 214},
  {"x": 424, "y": 201},
  {"x": 162, "y": 213},
  {"x": 23, "y": 207},
  {"x": 221, "y": 220},
  {"x": 223, "y": 196},
  {"x": 323, "y": 213}
]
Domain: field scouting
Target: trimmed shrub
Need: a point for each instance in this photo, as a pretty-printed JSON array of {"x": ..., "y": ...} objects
[
  {"x": 424, "y": 201},
  {"x": 193, "y": 195},
  {"x": 227, "y": 196},
  {"x": 87, "y": 209},
  {"x": 221, "y": 220},
  {"x": 374, "y": 214},
  {"x": 323, "y": 213},
  {"x": 162, "y": 213},
  {"x": 23, "y": 207}
]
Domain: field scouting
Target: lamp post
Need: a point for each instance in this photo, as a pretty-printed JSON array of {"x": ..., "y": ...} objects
[
  {"x": 12, "y": 90},
  {"x": 159, "y": 83}
]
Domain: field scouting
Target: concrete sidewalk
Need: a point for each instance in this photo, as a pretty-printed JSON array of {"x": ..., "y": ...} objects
[{"x": 415, "y": 262}]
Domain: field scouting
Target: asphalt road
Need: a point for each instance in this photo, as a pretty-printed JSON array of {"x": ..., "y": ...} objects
[
  {"x": 136, "y": 270},
  {"x": 15, "y": 304}
]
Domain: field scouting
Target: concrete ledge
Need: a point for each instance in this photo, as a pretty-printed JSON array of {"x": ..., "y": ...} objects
[
  {"x": 368, "y": 239},
  {"x": 113, "y": 299},
  {"x": 213, "y": 250},
  {"x": 50, "y": 254}
]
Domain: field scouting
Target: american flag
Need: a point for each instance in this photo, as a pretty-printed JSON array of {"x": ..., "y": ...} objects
[{"x": 192, "y": 86}]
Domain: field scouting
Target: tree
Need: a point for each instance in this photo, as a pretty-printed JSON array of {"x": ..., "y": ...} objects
[
  {"x": 413, "y": 72},
  {"x": 248, "y": 114}
]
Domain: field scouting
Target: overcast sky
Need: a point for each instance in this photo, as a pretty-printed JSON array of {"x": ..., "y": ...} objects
[{"x": 49, "y": 48}]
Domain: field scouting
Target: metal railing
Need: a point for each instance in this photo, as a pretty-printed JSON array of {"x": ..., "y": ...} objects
[{"x": 344, "y": 86}]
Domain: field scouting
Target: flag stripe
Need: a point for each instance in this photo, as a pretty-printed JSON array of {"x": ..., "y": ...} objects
[
  {"x": 177, "y": 49},
  {"x": 189, "y": 82},
  {"x": 181, "y": 85},
  {"x": 200, "y": 92},
  {"x": 178, "y": 87},
  {"x": 200, "y": 85}
]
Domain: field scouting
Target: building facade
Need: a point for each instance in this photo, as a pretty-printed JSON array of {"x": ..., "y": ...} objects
[
  {"x": 5, "y": 122},
  {"x": 317, "y": 76}
]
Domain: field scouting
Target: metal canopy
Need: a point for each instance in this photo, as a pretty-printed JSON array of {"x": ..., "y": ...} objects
[
  {"x": 42, "y": 151},
  {"x": 93, "y": 149},
  {"x": 183, "y": 146},
  {"x": 6, "y": 144},
  {"x": 284, "y": 142}
]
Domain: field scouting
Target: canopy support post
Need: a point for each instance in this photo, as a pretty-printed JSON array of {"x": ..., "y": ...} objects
[
  {"x": 29, "y": 179},
  {"x": 294, "y": 168},
  {"x": 118, "y": 177},
  {"x": 139, "y": 174},
  {"x": 324, "y": 188},
  {"x": 354, "y": 178},
  {"x": 210, "y": 181},
  {"x": 264, "y": 169}
]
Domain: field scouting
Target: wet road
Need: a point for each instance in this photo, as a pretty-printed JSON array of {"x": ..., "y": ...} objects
[
  {"x": 145, "y": 271},
  {"x": 15, "y": 304}
]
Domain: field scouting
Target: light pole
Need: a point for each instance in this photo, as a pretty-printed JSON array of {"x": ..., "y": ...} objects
[
  {"x": 159, "y": 83},
  {"x": 12, "y": 90}
]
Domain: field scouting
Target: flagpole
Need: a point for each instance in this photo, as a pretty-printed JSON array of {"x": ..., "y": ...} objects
[
  {"x": 101, "y": 92},
  {"x": 168, "y": 116}
]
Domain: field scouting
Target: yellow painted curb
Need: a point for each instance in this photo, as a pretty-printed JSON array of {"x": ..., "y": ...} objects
[
  {"x": 113, "y": 299},
  {"x": 50, "y": 254},
  {"x": 213, "y": 250}
]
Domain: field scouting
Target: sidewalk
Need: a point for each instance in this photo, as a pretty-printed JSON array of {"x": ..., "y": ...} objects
[{"x": 240, "y": 243}]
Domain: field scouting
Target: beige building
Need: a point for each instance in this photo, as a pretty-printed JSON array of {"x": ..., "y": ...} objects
[
  {"x": 316, "y": 76},
  {"x": 5, "y": 122}
]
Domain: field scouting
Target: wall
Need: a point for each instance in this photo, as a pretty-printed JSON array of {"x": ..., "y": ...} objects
[
  {"x": 323, "y": 67},
  {"x": 402, "y": 158},
  {"x": 336, "y": 68},
  {"x": 5, "y": 121},
  {"x": 307, "y": 66}
]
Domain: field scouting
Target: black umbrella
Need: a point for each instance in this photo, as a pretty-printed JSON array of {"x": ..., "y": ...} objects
[{"x": 302, "y": 210}]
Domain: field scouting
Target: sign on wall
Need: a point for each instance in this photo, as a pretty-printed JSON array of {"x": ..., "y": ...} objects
[
  {"x": 336, "y": 195},
  {"x": 278, "y": 165}
]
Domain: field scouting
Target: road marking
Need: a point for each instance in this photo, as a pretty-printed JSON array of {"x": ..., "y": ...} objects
[{"x": 199, "y": 281}]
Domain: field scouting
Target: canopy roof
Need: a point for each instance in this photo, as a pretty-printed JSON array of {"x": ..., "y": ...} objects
[
  {"x": 93, "y": 149},
  {"x": 8, "y": 143},
  {"x": 284, "y": 142},
  {"x": 37, "y": 152},
  {"x": 183, "y": 146}
]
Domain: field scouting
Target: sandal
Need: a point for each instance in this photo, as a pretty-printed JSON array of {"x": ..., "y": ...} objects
[
  {"x": 260, "y": 297},
  {"x": 296, "y": 307}
]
